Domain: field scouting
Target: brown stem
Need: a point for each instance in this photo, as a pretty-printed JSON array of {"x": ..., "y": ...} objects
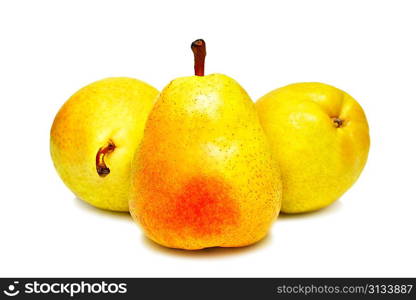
[
  {"x": 199, "y": 50},
  {"x": 102, "y": 168},
  {"x": 337, "y": 122}
]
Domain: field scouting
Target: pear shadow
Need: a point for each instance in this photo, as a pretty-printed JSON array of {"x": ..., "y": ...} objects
[
  {"x": 334, "y": 207},
  {"x": 207, "y": 253},
  {"x": 106, "y": 213}
]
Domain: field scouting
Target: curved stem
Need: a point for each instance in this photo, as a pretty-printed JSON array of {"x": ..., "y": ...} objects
[
  {"x": 101, "y": 167},
  {"x": 199, "y": 50}
]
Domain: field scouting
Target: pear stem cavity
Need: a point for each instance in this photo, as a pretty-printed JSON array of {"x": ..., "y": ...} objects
[
  {"x": 337, "y": 122},
  {"x": 199, "y": 50},
  {"x": 102, "y": 168}
]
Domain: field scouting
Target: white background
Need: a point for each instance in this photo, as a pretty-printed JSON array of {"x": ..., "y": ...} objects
[{"x": 50, "y": 49}]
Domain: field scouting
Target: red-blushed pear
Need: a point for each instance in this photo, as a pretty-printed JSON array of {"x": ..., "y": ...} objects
[{"x": 204, "y": 174}]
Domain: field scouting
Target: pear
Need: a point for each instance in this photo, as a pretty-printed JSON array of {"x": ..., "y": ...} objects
[
  {"x": 320, "y": 137},
  {"x": 94, "y": 137},
  {"x": 204, "y": 175}
]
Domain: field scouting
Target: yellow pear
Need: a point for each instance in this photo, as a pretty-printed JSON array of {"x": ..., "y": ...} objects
[
  {"x": 320, "y": 137},
  {"x": 204, "y": 175},
  {"x": 94, "y": 137}
]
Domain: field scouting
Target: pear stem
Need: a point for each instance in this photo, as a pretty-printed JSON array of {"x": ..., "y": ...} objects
[
  {"x": 337, "y": 122},
  {"x": 101, "y": 167},
  {"x": 199, "y": 50}
]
